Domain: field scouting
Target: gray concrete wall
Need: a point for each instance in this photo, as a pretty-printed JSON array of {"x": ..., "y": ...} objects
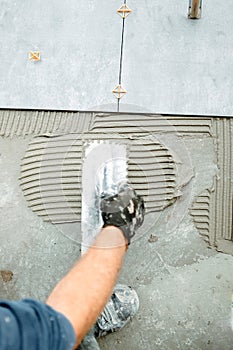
[{"x": 170, "y": 64}]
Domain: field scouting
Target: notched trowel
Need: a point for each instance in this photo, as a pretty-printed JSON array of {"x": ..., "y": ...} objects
[{"x": 104, "y": 168}]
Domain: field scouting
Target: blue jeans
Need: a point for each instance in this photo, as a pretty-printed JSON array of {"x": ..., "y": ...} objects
[{"x": 29, "y": 324}]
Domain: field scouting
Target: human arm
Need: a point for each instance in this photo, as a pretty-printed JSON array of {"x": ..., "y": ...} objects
[{"x": 83, "y": 292}]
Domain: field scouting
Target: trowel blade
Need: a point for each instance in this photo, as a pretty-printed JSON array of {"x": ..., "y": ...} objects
[{"x": 104, "y": 167}]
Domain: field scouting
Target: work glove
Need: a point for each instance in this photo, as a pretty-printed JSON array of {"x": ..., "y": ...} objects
[{"x": 124, "y": 210}]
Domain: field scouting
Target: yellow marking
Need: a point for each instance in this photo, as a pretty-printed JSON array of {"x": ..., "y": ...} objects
[
  {"x": 34, "y": 56},
  {"x": 124, "y": 11}
]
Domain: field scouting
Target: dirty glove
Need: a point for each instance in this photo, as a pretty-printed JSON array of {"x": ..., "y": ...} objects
[{"x": 124, "y": 210}]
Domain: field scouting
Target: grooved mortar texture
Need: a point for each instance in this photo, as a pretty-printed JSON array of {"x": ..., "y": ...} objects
[{"x": 51, "y": 175}]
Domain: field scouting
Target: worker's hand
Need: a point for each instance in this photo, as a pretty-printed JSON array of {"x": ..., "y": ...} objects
[{"x": 124, "y": 210}]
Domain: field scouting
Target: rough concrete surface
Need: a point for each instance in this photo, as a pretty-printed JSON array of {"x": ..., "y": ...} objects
[
  {"x": 184, "y": 286},
  {"x": 184, "y": 290}
]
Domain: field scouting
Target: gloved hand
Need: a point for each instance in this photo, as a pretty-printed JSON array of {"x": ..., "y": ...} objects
[{"x": 124, "y": 210}]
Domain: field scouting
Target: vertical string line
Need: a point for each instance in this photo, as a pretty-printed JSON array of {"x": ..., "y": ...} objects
[
  {"x": 121, "y": 57},
  {"x": 122, "y": 49}
]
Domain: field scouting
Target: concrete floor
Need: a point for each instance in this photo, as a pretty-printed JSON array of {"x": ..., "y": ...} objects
[
  {"x": 184, "y": 287},
  {"x": 171, "y": 65},
  {"x": 185, "y": 294}
]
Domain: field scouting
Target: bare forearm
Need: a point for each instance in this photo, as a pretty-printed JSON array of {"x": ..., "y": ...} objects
[{"x": 83, "y": 292}]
